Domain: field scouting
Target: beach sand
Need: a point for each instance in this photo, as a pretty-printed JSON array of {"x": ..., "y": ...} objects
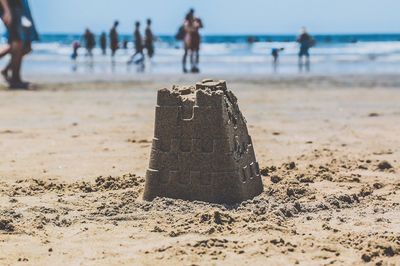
[{"x": 74, "y": 154}]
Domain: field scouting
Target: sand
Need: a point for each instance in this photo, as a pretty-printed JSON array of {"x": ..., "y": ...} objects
[{"x": 75, "y": 152}]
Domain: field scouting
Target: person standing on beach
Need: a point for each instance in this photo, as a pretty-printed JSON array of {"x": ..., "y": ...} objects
[
  {"x": 138, "y": 46},
  {"x": 103, "y": 43},
  {"x": 149, "y": 40},
  {"x": 192, "y": 39},
  {"x": 90, "y": 42},
  {"x": 114, "y": 39},
  {"x": 21, "y": 32},
  {"x": 196, "y": 40},
  {"x": 306, "y": 42}
]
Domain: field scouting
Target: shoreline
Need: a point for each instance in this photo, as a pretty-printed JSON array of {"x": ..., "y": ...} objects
[{"x": 390, "y": 80}]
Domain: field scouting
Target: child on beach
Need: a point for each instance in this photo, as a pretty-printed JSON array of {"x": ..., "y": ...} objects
[
  {"x": 75, "y": 47},
  {"x": 275, "y": 54}
]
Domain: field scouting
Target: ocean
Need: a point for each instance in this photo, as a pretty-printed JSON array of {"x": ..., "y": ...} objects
[{"x": 333, "y": 54}]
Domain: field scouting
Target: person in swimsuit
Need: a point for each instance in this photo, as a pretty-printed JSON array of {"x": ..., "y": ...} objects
[
  {"x": 149, "y": 40},
  {"x": 90, "y": 42},
  {"x": 192, "y": 40},
  {"x": 103, "y": 43},
  {"x": 138, "y": 46},
  {"x": 114, "y": 39}
]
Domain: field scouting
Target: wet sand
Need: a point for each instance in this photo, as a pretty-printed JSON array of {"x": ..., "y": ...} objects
[{"x": 75, "y": 151}]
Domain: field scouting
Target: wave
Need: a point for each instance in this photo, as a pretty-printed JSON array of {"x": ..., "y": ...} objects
[
  {"x": 228, "y": 51},
  {"x": 228, "y": 54}
]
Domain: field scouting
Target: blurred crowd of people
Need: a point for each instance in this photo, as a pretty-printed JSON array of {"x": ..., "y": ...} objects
[
  {"x": 188, "y": 33},
  {"x": 141, "y": 43},
  {"x": 21, "y": 32}
]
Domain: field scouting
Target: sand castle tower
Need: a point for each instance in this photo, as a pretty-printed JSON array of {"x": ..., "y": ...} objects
[{"x": 201, "y": 147}]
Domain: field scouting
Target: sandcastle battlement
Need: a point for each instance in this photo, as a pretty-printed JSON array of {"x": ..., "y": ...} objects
[{"x": 201, "y": 148}]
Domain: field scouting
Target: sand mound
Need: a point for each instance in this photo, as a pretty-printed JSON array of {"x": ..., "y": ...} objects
[{"x": 331, "y": 195}]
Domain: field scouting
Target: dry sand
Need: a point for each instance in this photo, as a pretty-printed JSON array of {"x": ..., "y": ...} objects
[{"x": 73, "y": 157}]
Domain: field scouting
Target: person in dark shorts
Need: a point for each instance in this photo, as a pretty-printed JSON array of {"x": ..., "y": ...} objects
[
  {"x": 149, "y": 40},
  {"x": 306, "y": 42},
  {"x": 21, "y": 33},
  {"x": 103, "y": 43},
  {"x": 138, "y": 46},
  {"x": 114, "y": 39},
  {"x": 90, "y": 42}
]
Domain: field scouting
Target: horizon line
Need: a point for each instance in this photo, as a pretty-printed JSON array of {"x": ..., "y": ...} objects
[{"x": 241, "y": 34}]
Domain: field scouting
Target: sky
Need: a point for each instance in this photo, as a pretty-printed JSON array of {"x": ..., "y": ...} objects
[{"x": 221, "y": 16}]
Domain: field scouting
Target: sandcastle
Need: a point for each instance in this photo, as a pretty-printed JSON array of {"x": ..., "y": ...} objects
[{"x": 201, "y": 148}]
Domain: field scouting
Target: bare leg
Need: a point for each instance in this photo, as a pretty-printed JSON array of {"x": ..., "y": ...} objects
[
  {"x": 197, "y": 58},
  {"x": 142, "y": 59},
  {"x": 5, "y": 71},
  {"x": 132, "y": 57},
  {"x": 300, "y": 63},
  {"x": 308, "y": 63},
  {"x": 192, "y": 60},
  {"x": 26, "y": 50},
  {"x": 275, "y": 64},
  {"x": 184, "y": 60},
  {"x": 16, "y": 60},
  {"x": 5, "y": 51},
  {"x": 141, "y": 63}
]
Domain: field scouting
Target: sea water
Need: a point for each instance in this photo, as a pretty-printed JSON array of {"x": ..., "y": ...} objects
[{"x": 332, "y": 54}]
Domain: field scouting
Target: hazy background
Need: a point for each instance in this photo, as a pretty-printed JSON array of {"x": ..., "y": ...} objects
[
  {"x": 353, "y": 36},
  {"x": 222, "y": 16}
]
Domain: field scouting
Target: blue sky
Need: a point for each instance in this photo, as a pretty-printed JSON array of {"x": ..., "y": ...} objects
[{"x": 222, "y": 16}]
